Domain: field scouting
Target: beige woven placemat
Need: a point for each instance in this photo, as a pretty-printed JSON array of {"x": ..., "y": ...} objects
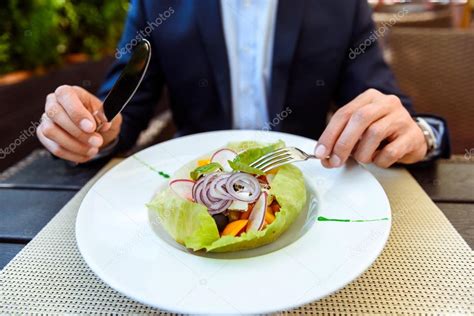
[{"x": 425, "y": 268}]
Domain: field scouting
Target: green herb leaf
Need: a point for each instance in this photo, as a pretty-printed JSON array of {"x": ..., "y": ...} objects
[{"x": 199, "y": 171}]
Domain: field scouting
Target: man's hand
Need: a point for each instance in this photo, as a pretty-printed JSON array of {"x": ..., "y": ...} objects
[
  {"x": 359, "y": 128},
  {"x": 67, "y": 127}
]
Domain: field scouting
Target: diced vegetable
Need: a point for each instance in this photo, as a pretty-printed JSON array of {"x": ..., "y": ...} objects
[
  {"x": 235, "y": 227},
  {"x": 275, "y": 207},
  {"x": 270, "y": 199},
  {"x": 233, "y": 216},
  {"x": 238, "y": 206},
  {"x": 262, "y": 179},
  {"x": 246, "y": 214},
  {"x": 273, "y": 171},
  {"x": 203, "y": 162},
  {"x": 269, "y": 217}
]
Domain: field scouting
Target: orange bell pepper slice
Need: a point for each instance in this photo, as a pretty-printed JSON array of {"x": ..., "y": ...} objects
[
  {"x": 235, "y": 227},
  {"x": 269, "y": 217},
  {"x": 273, "y": 171},
  {"x": 203, "y": 162}
]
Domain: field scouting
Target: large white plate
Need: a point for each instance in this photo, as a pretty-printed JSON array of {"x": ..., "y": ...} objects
[{"x": 129, "y": 250}]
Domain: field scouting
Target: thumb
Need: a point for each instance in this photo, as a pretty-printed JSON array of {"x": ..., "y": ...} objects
[{"x": 111, "y": 130}]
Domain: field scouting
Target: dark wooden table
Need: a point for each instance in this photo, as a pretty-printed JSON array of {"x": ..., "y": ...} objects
[
  {"x": 31, "y": 193},
  {"x": 35, "y": 189}
]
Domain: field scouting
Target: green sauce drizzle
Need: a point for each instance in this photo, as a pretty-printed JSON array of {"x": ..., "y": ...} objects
[
  {"x": 325, "y": 219},
  {"x": 161, "y": 173}
]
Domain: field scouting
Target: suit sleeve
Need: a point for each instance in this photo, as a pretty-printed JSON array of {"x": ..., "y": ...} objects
[
  {"x": 365, "y": 68},
  {"x": 140, "y": 109}
]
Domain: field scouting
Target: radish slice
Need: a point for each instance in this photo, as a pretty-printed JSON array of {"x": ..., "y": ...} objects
[
  {"x": 257, "y": 217},
  {"x": 222, "y": 156},
  {"x": 183, "y": 188}
]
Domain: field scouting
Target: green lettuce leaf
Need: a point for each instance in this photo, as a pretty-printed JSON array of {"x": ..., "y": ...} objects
[
  {"x": 199, "y": 171},
  {"x": 188, "y": 223},
  {"x": 241, "y": 146},
  {"x": 239, "y": 166},
  {"x": 191, "y": 225},
  {"x": 245, "y": 158}
]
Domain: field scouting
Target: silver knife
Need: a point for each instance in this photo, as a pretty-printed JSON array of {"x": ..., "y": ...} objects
[{"x": 126, "y": 85}]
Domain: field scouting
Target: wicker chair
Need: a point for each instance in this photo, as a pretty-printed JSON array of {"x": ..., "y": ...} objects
[{"x": 435, "y": 67}]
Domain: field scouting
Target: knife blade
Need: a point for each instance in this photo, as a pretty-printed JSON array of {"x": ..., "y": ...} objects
[{"x": 126, "y": 85}]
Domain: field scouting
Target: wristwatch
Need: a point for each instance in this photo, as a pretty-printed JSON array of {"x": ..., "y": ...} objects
[{"x": 430, "y": 137}]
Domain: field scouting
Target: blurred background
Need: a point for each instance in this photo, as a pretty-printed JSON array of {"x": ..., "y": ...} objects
[{"x": 46, "y": 43}]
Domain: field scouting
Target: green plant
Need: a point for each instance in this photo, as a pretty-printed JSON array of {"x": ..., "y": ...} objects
[{"x": 38, "y": 33}]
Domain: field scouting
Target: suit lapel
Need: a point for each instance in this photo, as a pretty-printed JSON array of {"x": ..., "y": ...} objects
[
  {"x": 287, "y": 27},
  {"x": 210, "y": 26}
]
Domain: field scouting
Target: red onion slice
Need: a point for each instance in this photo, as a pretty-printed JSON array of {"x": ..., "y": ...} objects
[
  {"x": 218, "y": 190},
  {"x": 248, "y": 182}
]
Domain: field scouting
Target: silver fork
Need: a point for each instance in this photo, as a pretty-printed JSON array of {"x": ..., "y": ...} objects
[{"x": 281, "y": 157}]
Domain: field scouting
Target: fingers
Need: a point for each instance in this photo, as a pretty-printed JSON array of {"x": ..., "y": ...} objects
[
  {"x": 338, "y": 122},
  {"x": 58, "y": 115},
  {"x": 408, "y": 146},
  {"x": 56, "y": 134},
  {"x": 372, "y": 138},
  {"x": 68, "y": 127},
  {"x": 415, "y": 156},
  {"x": 418, "y": 148},
  {"x": 90, "y": 101},
  {"x": 94, "y": 105},
  {"x": 331, "y": 133},
  {"x": 59, "y": 151},
  {"x": 363, "y": 99},
  {"x": 105, "y": 127},
  {"x": 359, "y": 122},
  {"x": 111, "y": 130},
  {"x": 68, "y": 98},
  {"x": 392, "y": 152}
]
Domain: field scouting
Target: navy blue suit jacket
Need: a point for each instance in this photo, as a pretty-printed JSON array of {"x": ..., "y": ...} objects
[{"x": 311, "y": 66}]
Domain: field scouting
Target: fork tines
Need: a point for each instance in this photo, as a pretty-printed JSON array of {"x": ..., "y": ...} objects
[{"x": 275, "y": 159}]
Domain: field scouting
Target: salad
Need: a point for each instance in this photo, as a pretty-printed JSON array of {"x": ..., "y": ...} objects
[{"x": 219, "y": 203}]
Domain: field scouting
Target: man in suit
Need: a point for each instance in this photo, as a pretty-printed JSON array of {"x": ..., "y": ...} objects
[{"x": 239, "y": 64}]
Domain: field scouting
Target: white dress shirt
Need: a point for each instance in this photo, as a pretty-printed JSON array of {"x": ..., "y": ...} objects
[{"x": 249, "y": 28}]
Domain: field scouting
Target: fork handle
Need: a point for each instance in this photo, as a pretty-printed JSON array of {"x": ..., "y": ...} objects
[{"x": 314, "y": 157}]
